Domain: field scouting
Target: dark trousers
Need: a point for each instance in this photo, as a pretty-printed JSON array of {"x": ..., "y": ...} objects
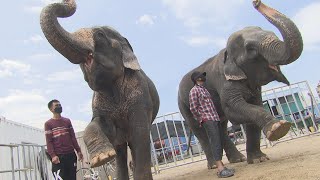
[
  {"x": 66, "y": 169},
  {"x": 215, "y": 136}
]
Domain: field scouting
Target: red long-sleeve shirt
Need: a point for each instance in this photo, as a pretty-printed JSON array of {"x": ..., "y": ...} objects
[
  {"x": 60, "y": 137},
  {"x": 201, "y": 105}
]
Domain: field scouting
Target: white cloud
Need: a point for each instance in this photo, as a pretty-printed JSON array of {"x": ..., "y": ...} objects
[
  {"x": 197, "y": 12},
  {"x": 37, "y": 8},
  {"x": 86, "y": 107},
  {"x": 146, "y": 19},
  {"x": 79, "y": 125},
  {"x": 21, "y": 96},
  {"x": 309, "y": 26},
  {"x": 197, "y": 41},
  {"x": 42, "y": 56},
  {"x": 33, "y": 9},
  {"x": 30, "y": 108},
  {"x": 69, "y": 75},
  {"x": 34, "y": 39},
  {"x": 8, "y": 68},
  {"x": 46, "y": 2},
  {"x": 25, "y": 107}
]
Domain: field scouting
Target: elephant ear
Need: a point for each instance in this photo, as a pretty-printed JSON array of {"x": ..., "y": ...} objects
[
  {"x": 231, "y": 70},
  {"x": 129, "y": 59}
]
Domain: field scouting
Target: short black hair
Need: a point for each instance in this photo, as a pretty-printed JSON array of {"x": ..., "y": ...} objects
[{"x": 51, "y": 102}]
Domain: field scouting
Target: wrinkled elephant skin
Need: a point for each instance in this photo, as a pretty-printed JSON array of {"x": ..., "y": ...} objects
[
  {"x": 125, "y": 101},
  {"x": 251, "y": 59}
]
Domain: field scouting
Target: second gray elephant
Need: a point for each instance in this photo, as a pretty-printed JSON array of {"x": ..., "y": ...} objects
[{"x": 251, "y": 59}]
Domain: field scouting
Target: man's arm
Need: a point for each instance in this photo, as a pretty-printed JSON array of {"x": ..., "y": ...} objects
[
  {"x": 194, "y": 103},
  {"x": 74, "y": 141},
  {"x": 49, "y": 140}
]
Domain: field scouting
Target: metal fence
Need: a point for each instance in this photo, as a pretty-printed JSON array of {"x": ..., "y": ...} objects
[
  {"x": 170, "y": 135},
  {"x": 24, "y": 162},
  {"x": 29, "y": 162},
  {"x": 172, "y": 142},
  {"x": 297, "y": 104}
]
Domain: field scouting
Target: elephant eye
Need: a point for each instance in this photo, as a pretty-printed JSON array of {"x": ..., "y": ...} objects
[
  {"x": 251, "y": 51},
  {"x": 100, "y": 34},
  {"x": 101, "y": 40}
]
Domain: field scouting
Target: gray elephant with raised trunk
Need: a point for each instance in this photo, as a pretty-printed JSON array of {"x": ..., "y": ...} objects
[
  {"x": 125, "y": 101},
  {"x": 251, "y": 59}
]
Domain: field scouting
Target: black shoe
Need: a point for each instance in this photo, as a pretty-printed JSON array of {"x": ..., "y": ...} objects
[{"x": 225, "y": 173}]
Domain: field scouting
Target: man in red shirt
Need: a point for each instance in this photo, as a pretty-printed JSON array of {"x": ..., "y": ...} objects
[
  {"x": 203, "y": 110},
  {"x": 61, "y": 143}
]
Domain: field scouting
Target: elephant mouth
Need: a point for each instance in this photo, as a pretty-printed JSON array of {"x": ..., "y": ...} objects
[
  {"x": 274, "y": 68},
  {"x": 278, "y": 75},
  {"x": 89, "y": 61}
]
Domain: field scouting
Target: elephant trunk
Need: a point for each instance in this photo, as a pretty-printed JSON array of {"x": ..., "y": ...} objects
[
  {"x": 76, "y": 46},
  {"x": 273, "y": 49}
]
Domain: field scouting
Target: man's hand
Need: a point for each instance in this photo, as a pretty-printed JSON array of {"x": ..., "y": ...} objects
[
  {"x": 80, "y": 156},
  {"x": 55, "y": 160}
]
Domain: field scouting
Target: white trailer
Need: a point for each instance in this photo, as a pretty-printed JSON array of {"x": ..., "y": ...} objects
[{"x": 19, "y": 150}]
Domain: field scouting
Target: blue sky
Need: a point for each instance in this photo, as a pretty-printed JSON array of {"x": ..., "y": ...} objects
[{"x": 169, "y": 37}]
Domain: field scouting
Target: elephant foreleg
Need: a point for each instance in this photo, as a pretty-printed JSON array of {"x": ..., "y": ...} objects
[
  {"x": 254, "y": 154},
  {"x": 240, "y": 111},
  {"x": 98, "y": 144},
  {"x": 140, "y": 144},
  {"x": 122, "y": 168}
]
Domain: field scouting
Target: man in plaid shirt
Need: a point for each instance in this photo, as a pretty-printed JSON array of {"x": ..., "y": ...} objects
[{"x": 203, "y": 110}]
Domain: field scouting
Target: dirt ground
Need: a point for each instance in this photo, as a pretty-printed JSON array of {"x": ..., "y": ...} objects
[{"x": 297, "y": 159}]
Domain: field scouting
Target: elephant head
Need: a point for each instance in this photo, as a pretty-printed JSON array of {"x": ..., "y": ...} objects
[
  {"x": 103, "y": 54},
  {"x": 256, "y": 55}
]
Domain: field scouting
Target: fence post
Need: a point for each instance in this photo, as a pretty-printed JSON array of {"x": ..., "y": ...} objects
[
  {"x": 153, "y": 151},
  {"x": 170, "y": 140},
  {"x": 12, "y": 162},
  {"x": 297, "y": 105},
  {"x": 243, "y": 133},
  {"x": 178, "y": 138},
  {"x": 186, "y": 135}
]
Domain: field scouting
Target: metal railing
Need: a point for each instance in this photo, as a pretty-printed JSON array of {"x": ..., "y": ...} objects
[
  {"x": 26, "y": 162},
  {"x": 170, "y": 134},
  {"x": 172, "y": 142}
]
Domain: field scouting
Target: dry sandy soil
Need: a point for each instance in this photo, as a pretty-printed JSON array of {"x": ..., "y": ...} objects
[{"x": 297, "y": 159}]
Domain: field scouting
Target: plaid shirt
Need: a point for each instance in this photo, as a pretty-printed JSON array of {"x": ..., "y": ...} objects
[{"x": 201, "y": 105}]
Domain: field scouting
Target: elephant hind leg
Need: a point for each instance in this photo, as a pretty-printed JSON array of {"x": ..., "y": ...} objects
[
  {"x": 232, "y": 153},
  {"x": 276, "y": 129},
  {"x": 99, "y": 147}
]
